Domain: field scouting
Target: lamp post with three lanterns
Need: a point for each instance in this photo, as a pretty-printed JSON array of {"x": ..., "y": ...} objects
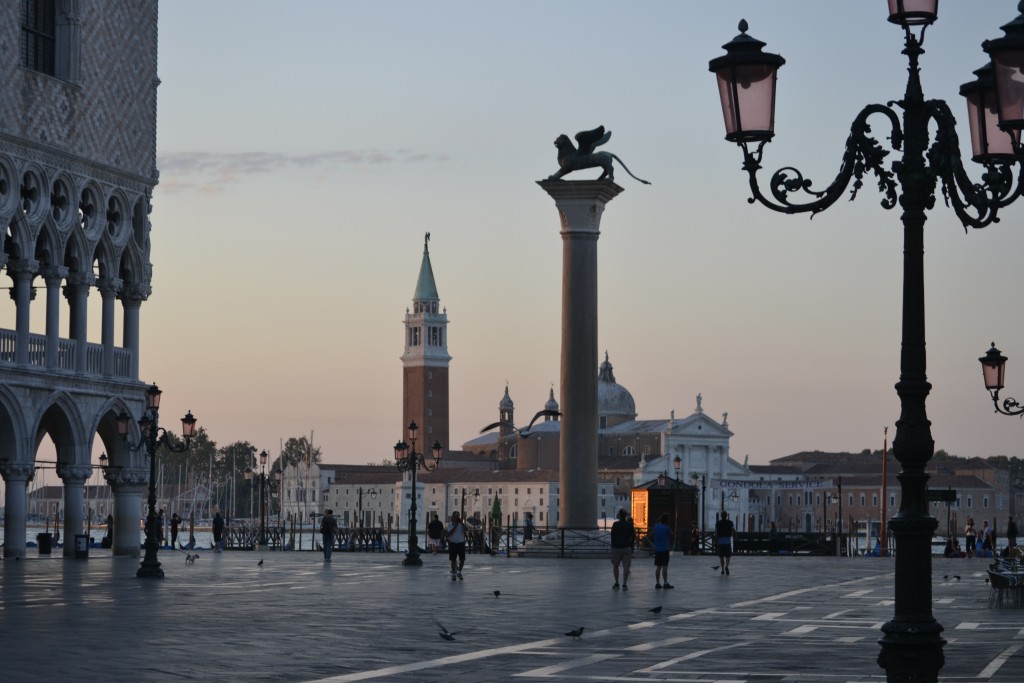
[
  {"x": 911, "y": 644},
  {"x": 153, "y": 436},
  {"x": 408, "y": 460}
]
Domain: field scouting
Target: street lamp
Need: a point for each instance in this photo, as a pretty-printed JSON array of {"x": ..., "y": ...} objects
[
  {"x": 153, "y": 436},
  {"x": 694, "y": 479},
  {"x": 993, "y": 368},
  {"x": 911, "y": 645},
  {"x": 372, "y": 493},
  {"x": 408, "y": 460},
  {"x": 263, "y": 481}
]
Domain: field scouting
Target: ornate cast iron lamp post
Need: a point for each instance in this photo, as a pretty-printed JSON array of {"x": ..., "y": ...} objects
[
  {"x": 266, "y": 482},
  {"x": 911, "y": 644},
  {"x": 153, "y": 436},
  {"x": 408, "y": 460},
  {"x": 694, "y": 479}
]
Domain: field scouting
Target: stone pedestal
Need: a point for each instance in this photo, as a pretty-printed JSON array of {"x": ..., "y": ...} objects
[{"x": 580, "y": 205}]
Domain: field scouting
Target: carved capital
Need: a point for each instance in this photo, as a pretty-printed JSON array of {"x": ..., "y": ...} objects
[
  {"x": 109, "y": 286},
  {"x": 72, "y": 473},
  {"x": 580, "y": 203},
  {"x": 17, "y": 471},
  {"x": 119, "y": 477},
  {"x": 53, "y": 275},
  {"x": 134, "y": 292}
]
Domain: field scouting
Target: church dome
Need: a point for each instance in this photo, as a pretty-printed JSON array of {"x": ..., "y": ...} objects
[
  {"x": 552, "y": 404},
  {"x": 613, "y": 400},
  {"x": 506, "y": 401}
]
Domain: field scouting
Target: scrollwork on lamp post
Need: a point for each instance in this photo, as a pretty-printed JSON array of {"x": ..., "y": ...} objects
[
  {"x": 153, "y": 436},
  {"x": 911, "y": 645},
  {"x": 408, "y": 460}
]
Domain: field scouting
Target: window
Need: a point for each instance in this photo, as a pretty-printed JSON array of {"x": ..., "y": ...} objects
[
  {"x": 790, "y": 499},
  {"x": 541, "y": 501},
  {"x": 628, "y": 450},
  {"x": 517, "y": 491},
  {"x": 892, "y": 500},
  {"x": 874, "y": 499},
  {"x": 862, "y": 500},
  {"x": 540, "y": 516},
  {"x": 970, "y": 502},
  {"x": 39, "y": 36},
  {"x": 984, "y": 502},
  {"x": 604, "y": 425}
]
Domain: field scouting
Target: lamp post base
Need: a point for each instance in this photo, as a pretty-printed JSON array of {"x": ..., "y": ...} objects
[
  {"x": 412, "y": 561},
  {"x": 150, "y": 569}
]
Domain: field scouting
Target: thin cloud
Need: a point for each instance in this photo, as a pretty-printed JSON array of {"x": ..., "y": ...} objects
[{"x": 212, "y": 171}]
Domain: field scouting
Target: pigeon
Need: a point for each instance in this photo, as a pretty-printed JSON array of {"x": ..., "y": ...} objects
[
  {"x": 497, "y": 593},
  {"x": 715, "y": 568},
  {"x": 444, "y": 632},
  {"x": 260, "y": 563},
  {"x": 956, "y": 576},
  {"x": 575, "y": 633},
  {"x": 656, "y": 610},
  {"x": 945, "y": 577}
]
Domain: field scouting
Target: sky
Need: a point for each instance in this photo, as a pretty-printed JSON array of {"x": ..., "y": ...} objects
[{"x": 305, "y": 148}]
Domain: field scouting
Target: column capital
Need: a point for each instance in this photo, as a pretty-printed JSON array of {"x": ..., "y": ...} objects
[
  {"x": 134, "y": 292},
  {"x": 53, "y": 274},
  {"x": 22, "y": 267},
  {"x": 71, "y": 473},
  {"x": 580, "y": 203},
  {"x": 17, "y": 471},
  {"x": 79, "y": 279},
  {"x": 109, "y": 286},
  {"x": 119, "y": 477}
]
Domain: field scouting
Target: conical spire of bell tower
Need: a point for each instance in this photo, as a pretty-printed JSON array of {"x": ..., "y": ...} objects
[
  {"x": 426, "y": 289},
  {"x": 425, "y": 360}
]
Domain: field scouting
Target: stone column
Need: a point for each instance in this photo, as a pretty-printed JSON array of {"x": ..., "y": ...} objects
[
  {"x": 22, "y": 272},
  {"x": 109, "y": 287},
  {"x": 580, "y": 205},
  {"x": 77, "y": 293},
  {"x": 132, "y": 297},
  {"x": 16, "y": 476},
  {"x": 127, "y": 486},
  {"x": 53, "y": 276},
  {"x": 74, "y": 478}
]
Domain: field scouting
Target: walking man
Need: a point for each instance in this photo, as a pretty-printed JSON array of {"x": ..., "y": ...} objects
[
  {"x": 456, "y": 533},
  {"x": 1011, "y": 534},
  {"x": 622, "y": 540},
  {"x": 328, "y": 529},
  {"x": 435, "y": 531}
]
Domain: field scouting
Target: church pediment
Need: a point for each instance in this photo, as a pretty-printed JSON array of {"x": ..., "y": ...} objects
[{"x": 699, "y": 425}]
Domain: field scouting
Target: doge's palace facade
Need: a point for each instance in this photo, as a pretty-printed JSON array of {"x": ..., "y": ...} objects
[{"x": 78, "y": 83}]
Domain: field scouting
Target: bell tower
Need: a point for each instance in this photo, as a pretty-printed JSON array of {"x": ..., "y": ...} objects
[{"x": 425, "y": 361}]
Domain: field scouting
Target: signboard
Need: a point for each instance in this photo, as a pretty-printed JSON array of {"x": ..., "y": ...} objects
[{"x": 941, "y": 496}]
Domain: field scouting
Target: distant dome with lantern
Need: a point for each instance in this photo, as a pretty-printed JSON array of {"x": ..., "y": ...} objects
[{"x": 614, "y": 402}]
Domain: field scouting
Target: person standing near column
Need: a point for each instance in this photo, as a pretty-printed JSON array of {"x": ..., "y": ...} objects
[
  {"x": 723, "y": 540},
  {"x": 623, "y": 537}
]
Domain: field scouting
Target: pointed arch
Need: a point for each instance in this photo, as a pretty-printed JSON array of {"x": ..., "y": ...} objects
[{"x": 62, "y": 420}]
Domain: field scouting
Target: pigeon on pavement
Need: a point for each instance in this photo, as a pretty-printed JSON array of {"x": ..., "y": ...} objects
[
  {"x": 444, "y": 632},
  {"x": 656, "y": 610},
  {"x": 575, "y": 633}
]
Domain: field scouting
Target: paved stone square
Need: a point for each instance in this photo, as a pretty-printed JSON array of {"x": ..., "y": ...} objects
[{"x": 365, "y": 617}]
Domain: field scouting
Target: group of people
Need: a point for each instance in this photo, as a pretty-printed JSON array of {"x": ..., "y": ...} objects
[
  {"x": 623, "y": 540},
  {"x": 981, "y": 543},
  {"x": 437, "y": 533}
]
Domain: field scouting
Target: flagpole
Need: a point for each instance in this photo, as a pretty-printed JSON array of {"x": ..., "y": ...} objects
[{"x": 884, "y": 550}]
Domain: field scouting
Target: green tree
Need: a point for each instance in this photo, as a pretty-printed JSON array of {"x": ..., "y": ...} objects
[{"x": 299, "y": 450}]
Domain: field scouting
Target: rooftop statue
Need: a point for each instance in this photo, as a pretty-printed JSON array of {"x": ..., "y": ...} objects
[{"x": 571, "y": 159}]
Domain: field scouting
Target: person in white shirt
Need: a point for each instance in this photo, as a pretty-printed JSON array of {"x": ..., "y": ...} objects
[{"x": 456, "y": 534}]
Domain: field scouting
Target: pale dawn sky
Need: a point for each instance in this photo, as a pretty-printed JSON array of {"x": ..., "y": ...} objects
[{"x": 305, "y": 147}]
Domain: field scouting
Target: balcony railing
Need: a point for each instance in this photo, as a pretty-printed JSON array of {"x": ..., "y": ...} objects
[{"x": 65, "y": 355}]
